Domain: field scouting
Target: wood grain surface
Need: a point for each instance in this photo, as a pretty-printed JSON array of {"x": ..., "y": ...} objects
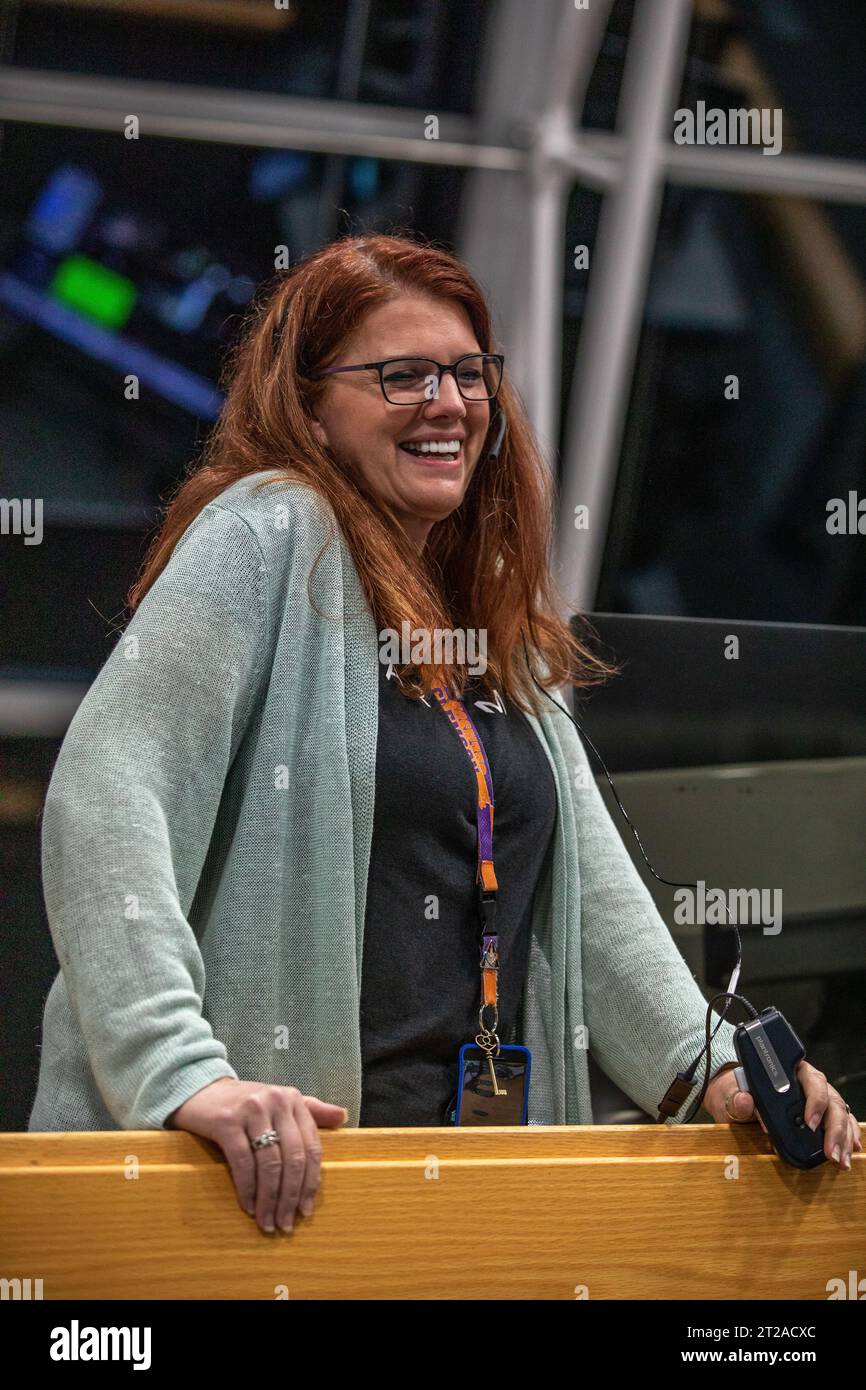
[{"x": 604, "y": 1212}]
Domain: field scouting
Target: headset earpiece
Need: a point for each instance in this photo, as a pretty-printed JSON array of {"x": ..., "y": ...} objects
[{"x": 500, "y": 424}]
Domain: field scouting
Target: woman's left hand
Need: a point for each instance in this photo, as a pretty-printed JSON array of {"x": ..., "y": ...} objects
[{"x": 726, "y": 1102}]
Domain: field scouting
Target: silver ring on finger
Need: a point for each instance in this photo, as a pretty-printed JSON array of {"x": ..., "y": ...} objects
[{"x": 270, "y": 1136}]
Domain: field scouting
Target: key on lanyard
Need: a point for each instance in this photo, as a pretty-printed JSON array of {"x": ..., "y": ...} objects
[{"x": 488, "y": 1047}]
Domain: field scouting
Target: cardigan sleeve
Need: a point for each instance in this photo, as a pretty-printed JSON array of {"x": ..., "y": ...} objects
[
  {"x": 129, "y": 812},
  {"x": 645, "y": 1012}
]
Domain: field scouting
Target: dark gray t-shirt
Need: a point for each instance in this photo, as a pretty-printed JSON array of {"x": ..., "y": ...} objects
[{"x": 421, "y": 978}]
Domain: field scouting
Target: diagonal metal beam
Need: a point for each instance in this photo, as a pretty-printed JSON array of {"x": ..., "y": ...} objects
[
  {"x": 616, "y": 292},
  {"x": 538, "y": 62},
  {"x": 578, "y": 39}
]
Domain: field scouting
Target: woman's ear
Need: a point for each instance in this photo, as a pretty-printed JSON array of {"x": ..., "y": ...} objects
[{"x": 320, "y": 432}]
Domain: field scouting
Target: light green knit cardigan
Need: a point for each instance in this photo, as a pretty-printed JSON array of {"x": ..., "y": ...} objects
[{"x": 206, "y": 841}]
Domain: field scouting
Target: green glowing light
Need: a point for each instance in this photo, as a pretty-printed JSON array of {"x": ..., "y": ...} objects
[{"x": 93, "y": 290}]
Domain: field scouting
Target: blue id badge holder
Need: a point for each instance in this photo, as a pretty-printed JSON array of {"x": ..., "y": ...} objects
[{"x": 477, "y": 1101}]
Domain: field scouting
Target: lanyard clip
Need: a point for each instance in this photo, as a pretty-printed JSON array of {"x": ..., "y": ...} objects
[{"x": 487, "y": 910}]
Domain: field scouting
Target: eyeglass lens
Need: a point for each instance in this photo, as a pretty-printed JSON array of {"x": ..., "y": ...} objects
[{"x": 414, "y": 379}]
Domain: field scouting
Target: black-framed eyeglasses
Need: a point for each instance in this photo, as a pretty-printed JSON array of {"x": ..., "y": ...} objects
[{"x": 411, "y": 380}]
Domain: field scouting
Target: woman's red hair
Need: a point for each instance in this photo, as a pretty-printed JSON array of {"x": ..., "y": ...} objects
[{"x": 484, "y": 566}]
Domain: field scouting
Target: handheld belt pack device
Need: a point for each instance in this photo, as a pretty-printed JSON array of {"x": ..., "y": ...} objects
[{"x": 769, "y": 1050}]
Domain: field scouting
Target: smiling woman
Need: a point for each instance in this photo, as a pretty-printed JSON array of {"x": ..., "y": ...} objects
[
  {"x": 248, "y": 796},
  {"x": 413, "y": 432}
]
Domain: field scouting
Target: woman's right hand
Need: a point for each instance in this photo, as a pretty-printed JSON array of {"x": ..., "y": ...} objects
[{"x": 273, "y": 1182}]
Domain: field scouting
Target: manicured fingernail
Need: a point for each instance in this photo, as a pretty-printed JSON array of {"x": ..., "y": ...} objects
[
  {"x": 836, "y": 1154},
  {"x": 287, "y": 1227},
  {"x": 268, "y": 1226},
  {"x": 813, "y": 1123},
  {"x": 307, "y": 1206},
  {"x": 251, "y": 1211},
  {"x": 846, "y": 1162}
]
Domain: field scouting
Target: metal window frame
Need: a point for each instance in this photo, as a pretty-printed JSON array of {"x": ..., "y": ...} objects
[{"x": 525, "y": 149}]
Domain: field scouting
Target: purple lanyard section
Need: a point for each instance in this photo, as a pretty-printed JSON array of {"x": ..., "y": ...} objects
[{"x": 469, "y": 737}]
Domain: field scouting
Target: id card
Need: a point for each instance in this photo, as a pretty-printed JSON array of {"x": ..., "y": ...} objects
[{"x": 477, "y": 1103}]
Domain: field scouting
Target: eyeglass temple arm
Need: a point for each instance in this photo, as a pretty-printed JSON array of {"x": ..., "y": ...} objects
[{"x": 332, "y": 371}]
